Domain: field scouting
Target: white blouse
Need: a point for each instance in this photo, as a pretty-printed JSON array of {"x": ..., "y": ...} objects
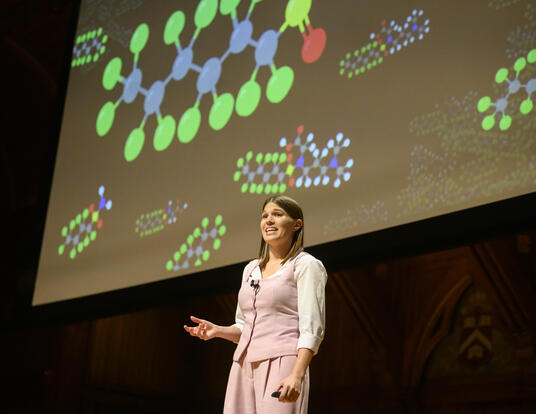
[{"x": 311, "y": 277}]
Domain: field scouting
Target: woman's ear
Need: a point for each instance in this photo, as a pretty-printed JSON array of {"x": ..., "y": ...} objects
[{"x": 298, "y": 224}]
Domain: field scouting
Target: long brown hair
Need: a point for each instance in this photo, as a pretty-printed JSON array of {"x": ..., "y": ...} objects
[{"x": 293, "y": 209}]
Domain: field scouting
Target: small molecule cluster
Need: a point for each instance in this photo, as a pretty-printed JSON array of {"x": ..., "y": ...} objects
[
  {"x": 89, "y": 47},
  {"x": 82, "y": 230},
  {"x": 501, "y": 4},
  {"x": 301, "y": 164},
  {"x": 430, "y": 182},
  {"x": 514, "y": 85},
  {"x": 391, "y": 38},
  {"x": 158, "y": 220},
  {"x": 429, "y": 123},
  {"x": 360, "y": 216},
  {"x": 523, "y": 38},
  {"x": 196, "y": 249}
]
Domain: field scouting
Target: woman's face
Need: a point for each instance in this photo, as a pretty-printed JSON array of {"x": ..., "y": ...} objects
[{"x": 277, "y": 227}]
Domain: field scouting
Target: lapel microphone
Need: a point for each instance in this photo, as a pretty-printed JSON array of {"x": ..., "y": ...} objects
[{"x": 254, "y": 283}]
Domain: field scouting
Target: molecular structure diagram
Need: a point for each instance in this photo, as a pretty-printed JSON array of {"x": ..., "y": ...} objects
[
  {"x": 275, "y": 172},
  {"x": 391, "y": 39},
  {"x": 89, "y": 47},
  {"x": 156, "y": 220},
  {"x": 82, "y": 230},
  {"x": 500, "y": 106},
  {"x": 195, "y": 249},
  {"x": 248, "y": 96}
]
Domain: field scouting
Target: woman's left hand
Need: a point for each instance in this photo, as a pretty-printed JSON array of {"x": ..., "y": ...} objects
[{"x": 290, "y": 388}]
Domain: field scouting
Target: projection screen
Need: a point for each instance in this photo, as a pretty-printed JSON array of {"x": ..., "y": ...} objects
[{"x": 181, "y": 117}]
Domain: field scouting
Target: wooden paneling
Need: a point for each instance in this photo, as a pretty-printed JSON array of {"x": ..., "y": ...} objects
[{"x": 384, "y": 322}]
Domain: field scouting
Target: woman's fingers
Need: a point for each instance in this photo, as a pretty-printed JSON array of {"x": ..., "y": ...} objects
[
  {"x": 283, "y": 395},
  {"x": 288, "y": 394},
  {"x": 200, "y": 330},
  {"x": 192, "y": 330}
]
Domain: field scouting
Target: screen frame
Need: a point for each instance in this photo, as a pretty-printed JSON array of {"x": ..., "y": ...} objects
[{"x": 505, "y": 217}]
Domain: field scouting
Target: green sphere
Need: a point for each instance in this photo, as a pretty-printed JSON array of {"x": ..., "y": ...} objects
[
  {"x": 134, "y": 144},
  {"x": 112, "y": 73},
  {"x": 189, "y": 125},
  {"x": 488, "y": 122},
  {"x": 526, "y": 106},
  {"x": 105, "y": 118},
  {"x": 248, "y": 98},
  {"x": 520, "y": 64},
  {"x": 139, "y": 38},
  {"x": 221, "y": 111},
  {"x": 164, "y": 133},
  {"x": 279, "y": 84},
  {"x": 531, "y": 57},
  {"x": 505, "y": 123},
  {"x": 174, "y": 27},
  {"x": 484, "y": 103},
  {"x": 205, "y": 13},
  {"x": 169, "y": 265},
  {"x": 501, "y": 75}
]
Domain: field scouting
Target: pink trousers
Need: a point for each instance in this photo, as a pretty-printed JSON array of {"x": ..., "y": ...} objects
[{"x": 251, "y": 384}]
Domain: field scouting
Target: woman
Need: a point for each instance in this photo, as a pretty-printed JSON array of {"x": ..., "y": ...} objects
[{"x": 280, "y": 318}]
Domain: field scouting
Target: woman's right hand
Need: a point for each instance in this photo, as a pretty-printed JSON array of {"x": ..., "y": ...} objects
[{"x": 204, "y": 330}]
